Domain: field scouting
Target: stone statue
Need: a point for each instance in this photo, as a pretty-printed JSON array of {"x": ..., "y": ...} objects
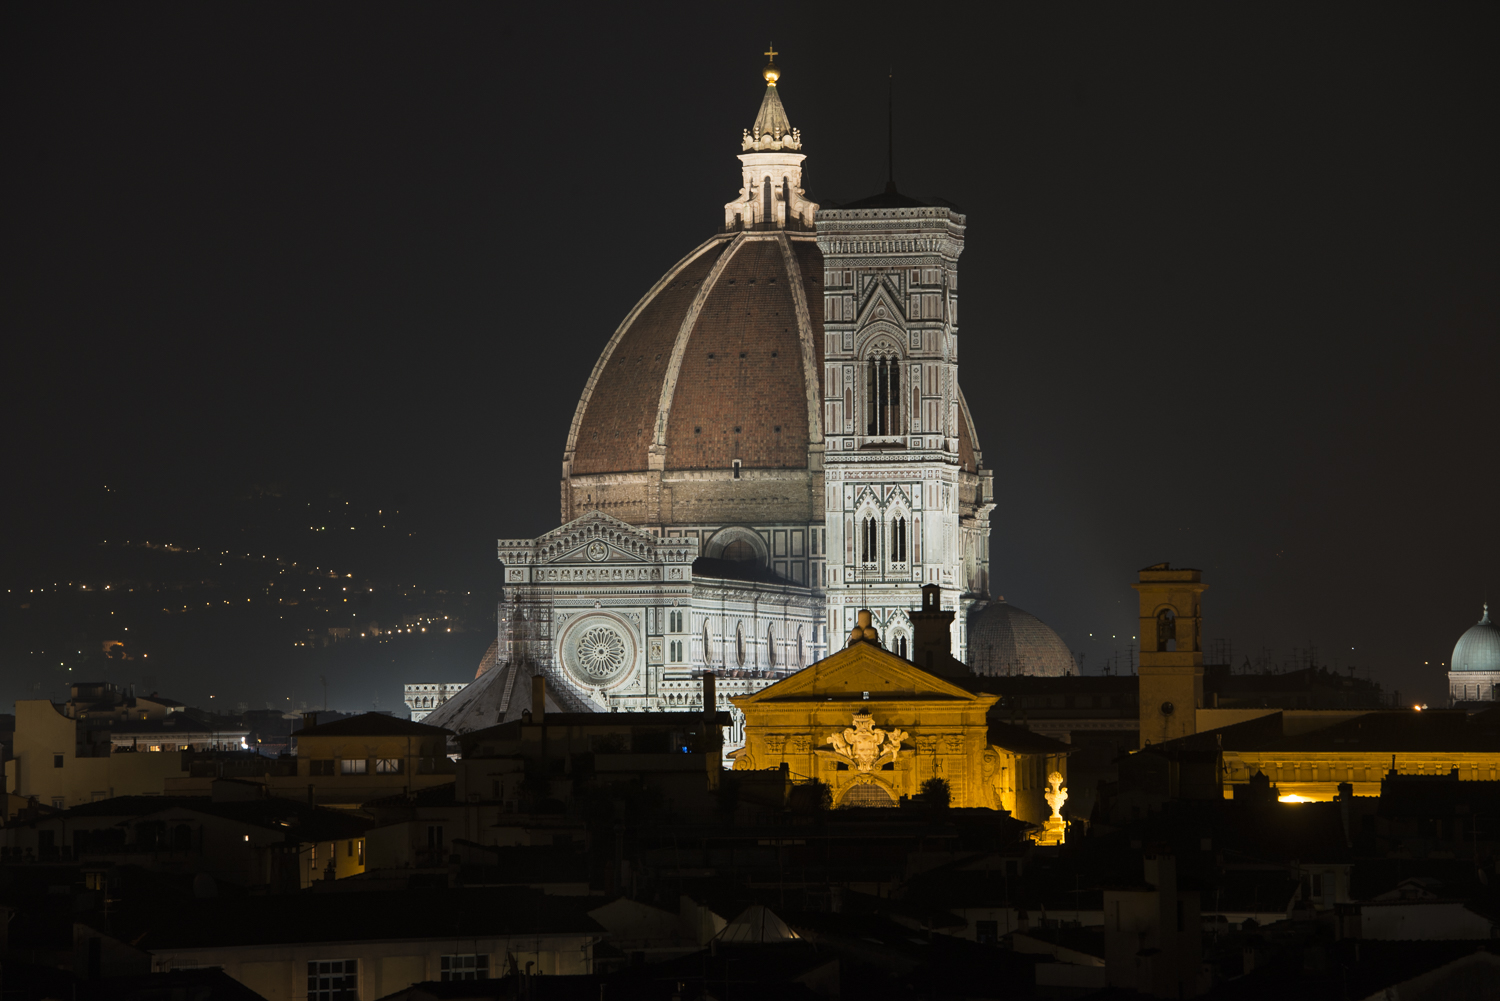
[
  {"x": 1055, "y": 830},
  {"x": 866, "y": 745},
  {"x": 1056, "y": 795},
  {"x": 992, "y": 778}
]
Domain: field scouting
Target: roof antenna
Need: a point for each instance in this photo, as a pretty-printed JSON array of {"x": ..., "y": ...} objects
[{"x": 890, "y": 132}]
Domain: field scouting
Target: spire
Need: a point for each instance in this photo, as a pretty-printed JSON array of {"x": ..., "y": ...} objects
[
  {"x": 772, "y": 130},
  {"x": 890, "y": 133}
]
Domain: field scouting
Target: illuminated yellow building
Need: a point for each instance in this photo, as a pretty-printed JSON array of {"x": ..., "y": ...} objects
[
  {"x": 1305, "y": 754},
  {"x": 1308, "y": 761},
  {"x": 59, "y": 764},
  {"x": 874, "y": 727}
]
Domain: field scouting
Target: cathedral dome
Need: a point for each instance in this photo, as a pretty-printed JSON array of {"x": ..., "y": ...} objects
[
  {"x": 1006, "y": 640},
  {"x": 721, "y": 361},
  {"x": 705, "y": 407},
  {"x": 1478, "y": 649}
]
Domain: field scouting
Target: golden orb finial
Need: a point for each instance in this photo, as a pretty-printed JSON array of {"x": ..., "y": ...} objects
[{"x": 771, "y": 73}]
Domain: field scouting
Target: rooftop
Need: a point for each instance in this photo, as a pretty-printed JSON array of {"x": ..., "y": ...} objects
[{"x": 371, "y": 725}]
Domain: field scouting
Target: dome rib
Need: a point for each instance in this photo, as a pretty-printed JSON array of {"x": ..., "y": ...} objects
[
  {"x": 679, "y": 346},
  {"x": 626, "y": 326},
  {"x": 740, "y": 389},
  {"x": 812, "y": 358},
  {"x": 718, "y": 369},
  {"x": 970, "y": 455}
]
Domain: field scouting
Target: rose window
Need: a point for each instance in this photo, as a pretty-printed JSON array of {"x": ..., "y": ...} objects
[{"x": 601, "y": 652}]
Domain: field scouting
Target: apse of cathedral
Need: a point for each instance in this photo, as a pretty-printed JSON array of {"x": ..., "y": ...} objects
[{"x": 773, "y": 438}]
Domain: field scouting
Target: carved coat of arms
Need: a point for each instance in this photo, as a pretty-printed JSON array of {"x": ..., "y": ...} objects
[{"x": 865, "y": 744}]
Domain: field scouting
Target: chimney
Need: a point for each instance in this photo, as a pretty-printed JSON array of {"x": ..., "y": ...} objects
[
  {"x": 538, "y": 698},
  {"x": 309, "y": 719},
  {"x": 712, "y": 735},
  {"x": 932, "y": 633}
]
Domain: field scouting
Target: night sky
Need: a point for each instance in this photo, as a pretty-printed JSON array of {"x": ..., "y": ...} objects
[{"x": 1230, "y": 300}]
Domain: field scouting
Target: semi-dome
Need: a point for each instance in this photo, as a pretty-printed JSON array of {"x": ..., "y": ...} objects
[
  {"x": 1006, "y": 640},
  {"x": 706, "y": 406},
  {"x": 1478, "y": 649}
]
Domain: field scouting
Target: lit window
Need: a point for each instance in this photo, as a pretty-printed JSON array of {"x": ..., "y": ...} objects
[
  {"x": 388, "y": 766},
  {"x": 353, "y": 766},
  {"x": 465, "y": 967}
]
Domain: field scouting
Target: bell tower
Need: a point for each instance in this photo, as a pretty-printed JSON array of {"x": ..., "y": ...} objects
[{"x": 1171, "y": 632}]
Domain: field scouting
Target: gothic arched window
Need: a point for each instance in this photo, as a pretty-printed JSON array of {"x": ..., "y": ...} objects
[
  {"x": 869, "y": 541},
  {"x": 898, "y": 540},
  {"x": 883, "y": 397}
]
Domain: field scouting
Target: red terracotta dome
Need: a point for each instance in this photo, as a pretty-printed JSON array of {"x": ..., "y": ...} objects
[
  {"x": 720, "y": 361},
  {"x": 719, "y": 366}
]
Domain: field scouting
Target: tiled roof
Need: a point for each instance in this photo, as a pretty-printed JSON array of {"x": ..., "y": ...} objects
[{"x": 744, "y": 570}]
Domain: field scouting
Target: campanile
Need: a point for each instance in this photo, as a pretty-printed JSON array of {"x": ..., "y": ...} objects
[{"x": 1171, "y": 632}]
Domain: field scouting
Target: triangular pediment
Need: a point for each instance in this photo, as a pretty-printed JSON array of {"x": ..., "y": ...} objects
[
  {"x": 598, "y": 538},
  {"x": 880, "y": 306},
  {"x": 861, "y": 668},
  {"x": 597, "y": 524},
  {"x": 594, "y": 552}
]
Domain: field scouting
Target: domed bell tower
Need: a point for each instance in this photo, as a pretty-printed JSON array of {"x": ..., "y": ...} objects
[{"x": 1171, "y": 632}]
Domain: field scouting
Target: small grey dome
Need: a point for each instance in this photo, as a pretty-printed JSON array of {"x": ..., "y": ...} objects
[
  {"x": 1006, "y": 640},
  {"x": 1479, "y": 648}
]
